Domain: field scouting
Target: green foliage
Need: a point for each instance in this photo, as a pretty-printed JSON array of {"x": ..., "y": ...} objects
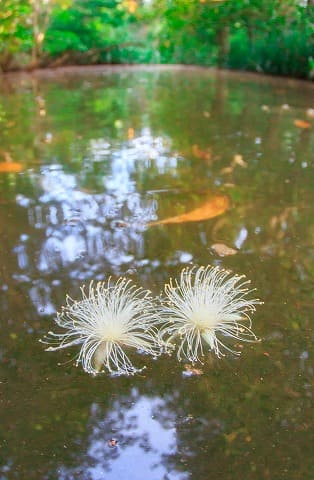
[
  {"x": 270, "y": 36},
  {"x": 15, "y": 33},
  {"x": 261, "y": 35},
  {"x": 82, "y": 26}
]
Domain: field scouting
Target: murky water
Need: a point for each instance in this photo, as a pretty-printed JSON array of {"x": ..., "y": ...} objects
[{"x": 87, "y": 162}]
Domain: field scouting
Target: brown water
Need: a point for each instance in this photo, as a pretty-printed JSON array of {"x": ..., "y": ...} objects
[{"x": 88, "y": 160}]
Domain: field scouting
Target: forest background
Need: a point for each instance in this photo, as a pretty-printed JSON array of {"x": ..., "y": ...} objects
[{"x": 270, "y": 36}]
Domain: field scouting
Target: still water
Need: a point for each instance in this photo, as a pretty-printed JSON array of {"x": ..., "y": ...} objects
[{"x": 92, "y": 163}]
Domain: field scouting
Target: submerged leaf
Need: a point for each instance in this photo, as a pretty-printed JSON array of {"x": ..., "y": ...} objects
[
  {"x": 223, "y": 250},
  {"x": 238, "y": 160},
  {"x": 201, "y": 154},
  {"x": 302, "y": 124},
  {"x": 10, "y": 167},
  {"x": 190, "y": 371},
  {"x": 212, "y": 208}
]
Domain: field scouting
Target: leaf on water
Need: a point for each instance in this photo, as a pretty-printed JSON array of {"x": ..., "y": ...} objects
[
  {"x": 301, "y": 123},
  {"x": 131, "y": 133},
  {"x": 212, "y": 208},
  {"x": 310, "y": 112},
  {"x": 238, "y": 160},
  {"x": 112, "y": 442},
  {"x": 201, "y": 154},
  {"x": 10, "y": 167},
  {"x": 230, "y": 437},
  {"x": 223, "y": 250},
  {"x": 191, "y": 371}
]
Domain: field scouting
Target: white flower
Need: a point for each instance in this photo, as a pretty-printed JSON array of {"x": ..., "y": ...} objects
[
  {"x": 205, "y": 304},
  {"x": 110, "y": 318}
]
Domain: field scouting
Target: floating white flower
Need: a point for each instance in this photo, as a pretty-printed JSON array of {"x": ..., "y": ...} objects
[
  {"x": 204, "y": 305},
  {"x": 106, "y": 321}
]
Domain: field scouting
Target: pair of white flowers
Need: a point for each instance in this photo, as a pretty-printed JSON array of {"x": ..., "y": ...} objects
[{"x": 195, "y": 313}]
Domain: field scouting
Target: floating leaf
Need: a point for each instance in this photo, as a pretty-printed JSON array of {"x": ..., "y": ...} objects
[
  {"x": 190, "y": 371},
  {"x": 201, "y": 154},
  {"x": 212, "y": 208},
  {"x": 223, "y": 250},
  {"x": 230, "y": 437},
  {"x": 238, "y": 160},
  {"x": 131, "y": 133},
  {"x": 112, "y": 442},
  {"x": 301, "y": 124},
  {"x": 10, "y": 167}
]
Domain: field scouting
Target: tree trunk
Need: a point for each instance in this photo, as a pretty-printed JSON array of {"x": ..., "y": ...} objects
[{"x": 222, "y": 37}]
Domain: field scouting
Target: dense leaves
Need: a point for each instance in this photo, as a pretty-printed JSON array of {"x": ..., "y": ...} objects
[{"x": 261, "y": 35}]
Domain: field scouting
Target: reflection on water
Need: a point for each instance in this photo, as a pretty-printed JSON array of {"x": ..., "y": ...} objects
[
  {"x": 83, "y": 233},
  {"x": 129, "y": 435},
  {"x": 91, "y": 168}
]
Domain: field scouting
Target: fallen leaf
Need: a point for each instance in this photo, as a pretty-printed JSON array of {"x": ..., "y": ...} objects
[
  {"x": 212, "y": 208},
  {"x": 302, "y": 124},
  {"x": 191, "y": 371},
  {"x": 238, "y": 160},
  {"x": 201, "y": 154},
  {"x": 222, "y": 250},
  {"x": 310, "y": 112},
  {"x": 120, "y": 224},
  {"x": 112, "y": 442},
  {"x": 230, "y": 437},
  {"x": 10, "y": 167},
  {"x": 131, "y": 133}
]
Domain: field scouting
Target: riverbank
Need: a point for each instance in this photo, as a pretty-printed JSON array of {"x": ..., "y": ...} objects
[{"x": 103, "y": 69}]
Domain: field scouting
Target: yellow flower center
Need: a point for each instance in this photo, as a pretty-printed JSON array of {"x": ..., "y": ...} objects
[{"x": 204, "y": 318}]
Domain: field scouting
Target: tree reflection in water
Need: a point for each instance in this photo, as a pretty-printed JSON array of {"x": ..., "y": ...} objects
[{"x": 85, "y": 234}]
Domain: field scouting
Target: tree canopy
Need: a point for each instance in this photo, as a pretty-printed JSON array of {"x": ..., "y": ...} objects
[{"x": 261, "y": 35}]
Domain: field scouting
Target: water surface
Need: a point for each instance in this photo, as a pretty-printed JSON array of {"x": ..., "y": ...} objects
[{"x": 88, "y": 160}]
